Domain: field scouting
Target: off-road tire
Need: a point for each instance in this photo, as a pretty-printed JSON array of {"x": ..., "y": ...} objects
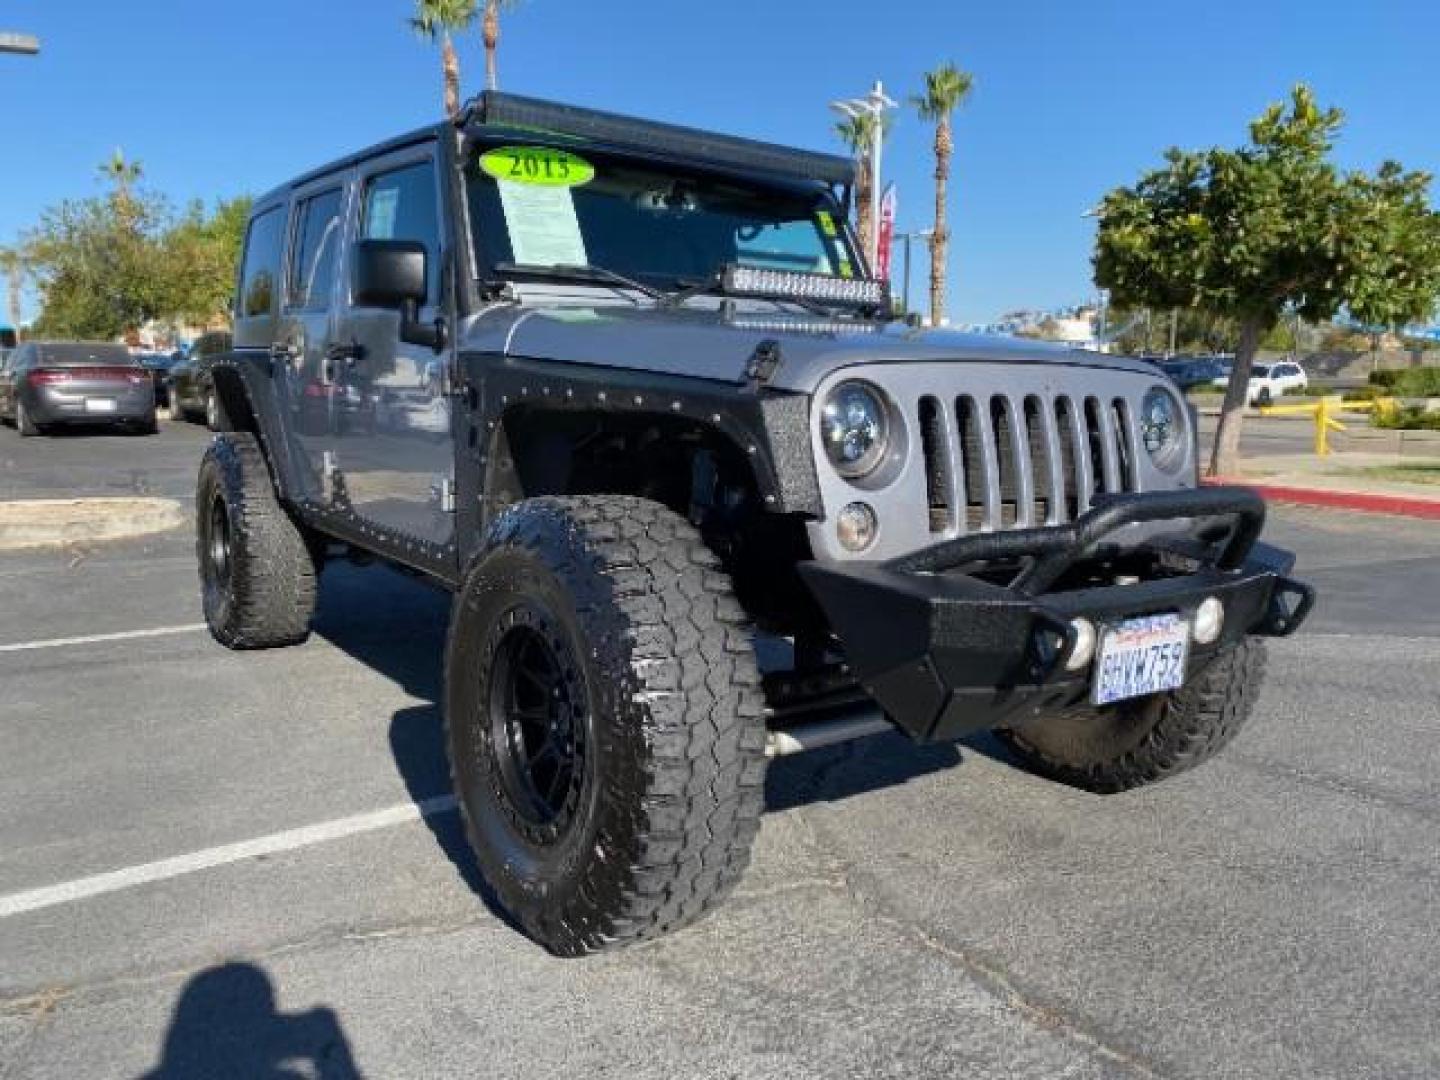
[
  {"x": 671, "y": 722},
  {"x": 267, "y": 597},
  {"x": 1130, "y": 744},
  {"x": 23, "y": 424}
]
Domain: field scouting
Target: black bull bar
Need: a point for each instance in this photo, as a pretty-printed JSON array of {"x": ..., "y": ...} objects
[{"x": 945, "y": 652}]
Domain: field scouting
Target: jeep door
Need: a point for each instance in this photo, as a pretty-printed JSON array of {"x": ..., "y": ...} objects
[
  {"x": 392, "y": 442},
  {"x": 306, "y": 360}
]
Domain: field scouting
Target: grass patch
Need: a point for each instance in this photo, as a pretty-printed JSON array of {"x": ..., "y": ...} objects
[{"x": 1419, "y": 473}]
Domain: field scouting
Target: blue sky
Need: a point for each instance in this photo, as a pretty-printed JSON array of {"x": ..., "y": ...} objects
[{"x": 1071, "y": 98}]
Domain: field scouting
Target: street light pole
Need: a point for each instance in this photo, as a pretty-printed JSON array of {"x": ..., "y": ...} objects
[
  {"x": 923, "y": 234},
  {"x": 873, "y": 105}
]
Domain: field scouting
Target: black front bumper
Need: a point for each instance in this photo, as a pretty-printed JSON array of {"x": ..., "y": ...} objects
[{"x": 945, "y": 652}]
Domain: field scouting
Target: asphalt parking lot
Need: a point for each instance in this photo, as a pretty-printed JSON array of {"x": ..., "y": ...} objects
[{"x": 224, "y": 864}]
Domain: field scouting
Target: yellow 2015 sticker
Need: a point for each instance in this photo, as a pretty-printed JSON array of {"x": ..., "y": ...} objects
[{"x": 541, "y": 166}]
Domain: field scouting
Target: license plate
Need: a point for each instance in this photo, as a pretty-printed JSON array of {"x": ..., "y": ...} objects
[
  {"x": 99, "y": 404},
  {"x": 1139, "y": 657}
]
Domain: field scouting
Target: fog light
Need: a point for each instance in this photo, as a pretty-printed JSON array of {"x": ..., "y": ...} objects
[
  {"x": 856, "y": 526},
  {"x": 1084, "y": 651},
  {"x": 1209, "y": 620}
]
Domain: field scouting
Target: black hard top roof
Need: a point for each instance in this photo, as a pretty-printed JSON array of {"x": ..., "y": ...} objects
[
  {"x": 495, "y": 114},
  {"x": 650, "y": 138}
]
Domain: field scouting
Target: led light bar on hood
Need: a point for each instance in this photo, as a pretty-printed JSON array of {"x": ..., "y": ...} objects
[{"x": 782, "y": 284}]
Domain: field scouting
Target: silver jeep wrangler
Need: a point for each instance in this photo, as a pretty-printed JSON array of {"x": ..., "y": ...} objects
[{"x": 626, "y": 390}]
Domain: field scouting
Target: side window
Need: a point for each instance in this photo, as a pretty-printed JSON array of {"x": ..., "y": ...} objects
[
  {"x": 260, "y": 271},
  {"x": 317, "y": 248},
  {"x": 400, "y": 205}
]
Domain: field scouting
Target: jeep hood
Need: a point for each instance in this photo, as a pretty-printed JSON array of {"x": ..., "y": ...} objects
[{"x": 709, "y": 344}]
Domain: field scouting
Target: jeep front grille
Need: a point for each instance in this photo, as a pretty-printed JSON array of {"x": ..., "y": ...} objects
[{"x": 1001, "y": 461}]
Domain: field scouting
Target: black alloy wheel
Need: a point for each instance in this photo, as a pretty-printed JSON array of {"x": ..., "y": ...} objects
[
  {"x": 537, "y": 725},
  {"x": 217, "y": 565}
]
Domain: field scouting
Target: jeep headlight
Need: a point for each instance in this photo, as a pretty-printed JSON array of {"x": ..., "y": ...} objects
[
  {"x": 1162, "y": 429},
  {"x": 855, "y": 428}
]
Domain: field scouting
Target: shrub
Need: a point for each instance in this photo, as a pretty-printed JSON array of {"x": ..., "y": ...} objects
[
  {"x": 1408, "y": 420},
  {"x": 1409, "y": 382}
]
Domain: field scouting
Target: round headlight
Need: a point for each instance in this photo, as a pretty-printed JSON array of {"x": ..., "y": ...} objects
[
  {"x": 1162, "y": 429},
  {"x": 855, "y": 428}
]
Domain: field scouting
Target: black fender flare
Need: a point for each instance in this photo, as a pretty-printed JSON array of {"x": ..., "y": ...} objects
[{"x": 246, "y": 394}]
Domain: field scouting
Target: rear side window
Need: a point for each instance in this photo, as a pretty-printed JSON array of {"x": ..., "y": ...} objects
[
  {"x": 312, "y": 270},
  {"x": 260, "y": 271},
  {"x": 401, "y": 205}
]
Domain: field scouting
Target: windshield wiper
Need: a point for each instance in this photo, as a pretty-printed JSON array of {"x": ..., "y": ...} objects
[
  {"x": 581, "y": 272},
  {"x": 691, "y": 288}
]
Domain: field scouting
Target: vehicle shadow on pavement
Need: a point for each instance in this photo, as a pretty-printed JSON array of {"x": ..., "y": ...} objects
[
  {"x": 407, "y": 646},
  {"x": 225, "y": 1024}
]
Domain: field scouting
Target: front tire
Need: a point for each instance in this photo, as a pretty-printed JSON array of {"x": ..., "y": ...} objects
[
  {"x": 604, "y": 720},
  {"x": 258, "y": 579},
  {"x": 1134, "y": 743}
]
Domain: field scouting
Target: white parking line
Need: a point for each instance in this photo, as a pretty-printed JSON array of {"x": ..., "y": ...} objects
[
  {"x": 113, "y": 881},
  {"x": 91, "y": 639}
]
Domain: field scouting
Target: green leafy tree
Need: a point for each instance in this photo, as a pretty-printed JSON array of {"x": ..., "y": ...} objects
[
  {"x": 946, "y": 89},
  {"x": 201, "y": 252},
  {"x": 1251, "y": 233},
  {"x": 437, "y": 20},
  {"x": 858, "y": 133},
  {"x": 100, "y": 269},
  {"x": 490, "y": 35},
  {"x": 1391, "y": 251}
]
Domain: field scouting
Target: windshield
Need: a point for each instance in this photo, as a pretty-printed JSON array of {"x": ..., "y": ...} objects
[
  {"x": 535, "y": 207},
  {"x": 1260, "y": 371}
]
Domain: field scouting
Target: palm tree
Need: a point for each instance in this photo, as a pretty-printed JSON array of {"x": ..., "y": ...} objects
[
  {"x": 858, "y": 133},
  {"x": 436, "y": 19},
  {"x": 123, "y": 174},
  {"x": 946, "y": 89},
  {"x": 13, "y": 265},
  {"x": 490, "y": 31}
]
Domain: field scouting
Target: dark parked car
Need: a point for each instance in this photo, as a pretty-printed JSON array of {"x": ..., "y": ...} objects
[
  {"x": 159, "y": 364},
  {"x": 67, "y": 382},
  {"x": 1190, "y": 372},
  {"x": 191, "y": 391}
]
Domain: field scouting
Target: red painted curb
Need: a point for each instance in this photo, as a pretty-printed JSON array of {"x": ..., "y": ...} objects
[{"x": 1399, "y": 505}]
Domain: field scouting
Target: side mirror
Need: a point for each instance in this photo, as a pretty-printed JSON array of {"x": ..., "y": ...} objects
[{"x": 392, "y": 274}]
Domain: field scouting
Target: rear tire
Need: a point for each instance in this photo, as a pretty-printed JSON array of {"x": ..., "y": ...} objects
[
  {"x": 604, "y": 720},
  {"x": 1130, "y": 744},
  {"x": 23, "y": 424},
  {"x": 258, "y": 579}
]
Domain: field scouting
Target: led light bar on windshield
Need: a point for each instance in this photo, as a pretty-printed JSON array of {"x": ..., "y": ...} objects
[{"x": 752, "y": 281}]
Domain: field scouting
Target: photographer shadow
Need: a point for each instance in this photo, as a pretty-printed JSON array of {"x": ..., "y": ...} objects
[{"x": 225, "y": 1024}]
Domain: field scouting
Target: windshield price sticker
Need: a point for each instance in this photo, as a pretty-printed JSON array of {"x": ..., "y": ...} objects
[{"x": 538, "y": 166}]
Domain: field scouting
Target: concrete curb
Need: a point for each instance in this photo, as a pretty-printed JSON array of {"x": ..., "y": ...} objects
[
  {"x": 41, "y": 523},
  {"x": 1364, "y": 502}
]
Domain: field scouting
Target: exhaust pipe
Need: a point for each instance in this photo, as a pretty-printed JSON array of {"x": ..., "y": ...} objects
[{"x": 813, "y": 734}]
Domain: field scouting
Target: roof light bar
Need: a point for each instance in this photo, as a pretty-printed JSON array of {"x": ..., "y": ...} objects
[
  {"x": 753, "y": 281},
  {"x": 647, "y": 136}
]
